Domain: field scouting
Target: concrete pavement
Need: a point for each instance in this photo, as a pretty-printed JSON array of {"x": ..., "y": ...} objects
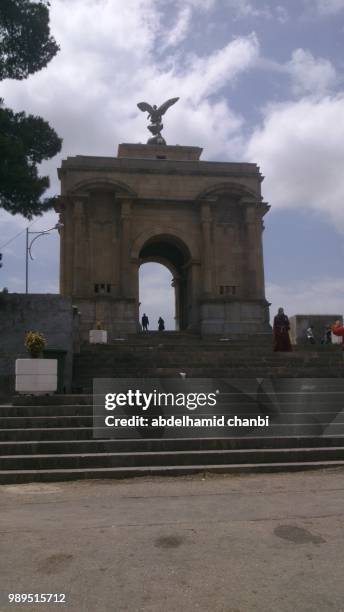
[{"x": 266, "y": 543}]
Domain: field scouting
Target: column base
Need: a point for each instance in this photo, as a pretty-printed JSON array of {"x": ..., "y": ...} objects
[
  {"x": 117, "y": 315},
  {"x": 234, "y": 317}
]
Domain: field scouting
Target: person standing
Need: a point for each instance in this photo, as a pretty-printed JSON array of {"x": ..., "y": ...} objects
[
  {"x": 281, "y": 340},
  {"x": 145, "y": 322},
  {"x": 328, "y": 335},
  {"x": 161, "y": 324},
  {"x": 310, "y": 335},
  {"x": 338, "y": 330}
]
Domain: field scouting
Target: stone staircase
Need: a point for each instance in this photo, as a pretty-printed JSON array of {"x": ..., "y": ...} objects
[
  {"x": 51, "y": 438},
  {"x": 166, "y": 354}
]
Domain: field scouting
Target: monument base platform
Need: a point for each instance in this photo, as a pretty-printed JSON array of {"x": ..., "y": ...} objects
[{"x": 220, "y": 316}]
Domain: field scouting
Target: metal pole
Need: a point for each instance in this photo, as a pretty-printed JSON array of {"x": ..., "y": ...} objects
[
  {"x": 27, "y": 262},
  {"x": 28, "y": 246}
]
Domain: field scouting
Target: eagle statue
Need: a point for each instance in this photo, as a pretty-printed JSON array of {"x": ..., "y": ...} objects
[{"x": 155, "y": 114}]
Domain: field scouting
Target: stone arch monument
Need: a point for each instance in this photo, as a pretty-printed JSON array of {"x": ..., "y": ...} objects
[{"x": 155, "y": 202}]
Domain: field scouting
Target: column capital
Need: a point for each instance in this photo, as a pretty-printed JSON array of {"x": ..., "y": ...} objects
[
  {"x": 207, "y": 202},
  {"x": 78, "y": 197}
]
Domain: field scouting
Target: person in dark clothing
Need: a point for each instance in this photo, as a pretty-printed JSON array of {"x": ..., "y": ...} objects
[
  {"x": 161, "y": 324},
  {"x": 145, "y": 322},
  {"x": 328, "y": 335},
  {"x": 281, "y": 340}
]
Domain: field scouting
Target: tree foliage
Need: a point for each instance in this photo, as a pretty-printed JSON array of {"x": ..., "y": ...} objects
[
  {"x": 25, "y": 42},
  {"x": 25, "y": 141}
]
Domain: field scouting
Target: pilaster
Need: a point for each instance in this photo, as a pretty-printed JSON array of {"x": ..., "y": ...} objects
[
  {"x": 206, "y": 223},
  {"x": 81, "y": 255},
  {"x": 126, "y": 223}
]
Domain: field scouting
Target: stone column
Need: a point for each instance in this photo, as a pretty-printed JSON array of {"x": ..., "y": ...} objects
[
  {"x": 126, "y": 212},
  {"x": 207, "y": 259},
  {"x": 176, "y": 285},
  {"x": 195, "y": 280},
  {"x": 65, "y": 208},
  {"x": 260, "y": 259},
  {"x": 63, "y": 262},
  {"x": 252, "y": 269},
  {"x": 263, "y": 208},
  {"x": 80, "y": 246},
  {"x": 60, "y": 208}
]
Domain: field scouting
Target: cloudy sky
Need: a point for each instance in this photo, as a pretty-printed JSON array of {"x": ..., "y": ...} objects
[{"x": 261, "y": 81}]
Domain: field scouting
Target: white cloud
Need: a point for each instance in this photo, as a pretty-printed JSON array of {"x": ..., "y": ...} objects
[
  {"x": 319, "y": 296},
  {"x": 300, "y": 149},
  {"x": 310, "y": 74},
  {"x": 204, "y": 76},
  {"x": 201, "y": 5},
  {"x": 180, "y": 29},
  {"x": 245, "y": 8},
  {"x": 282, "y": 14},
  {"x": 329, "y": 7}
]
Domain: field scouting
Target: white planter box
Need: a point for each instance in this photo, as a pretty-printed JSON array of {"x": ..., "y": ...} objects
[
  {"x": 36, "y": 376},
  {"x": 98, "y": 336}
]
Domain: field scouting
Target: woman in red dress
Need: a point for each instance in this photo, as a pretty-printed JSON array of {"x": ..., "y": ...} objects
[
  {"x": 280, "y": 330},
  {"x": 338, "y": 330}
]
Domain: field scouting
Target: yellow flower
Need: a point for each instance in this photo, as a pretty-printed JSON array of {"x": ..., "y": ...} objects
[{"x": 35, "y": 343}]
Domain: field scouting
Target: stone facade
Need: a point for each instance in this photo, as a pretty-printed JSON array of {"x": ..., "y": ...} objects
[{"x": 203, "y": 220}]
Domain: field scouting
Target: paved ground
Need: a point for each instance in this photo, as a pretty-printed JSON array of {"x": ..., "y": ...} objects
[{"x": 270, "y": 543}]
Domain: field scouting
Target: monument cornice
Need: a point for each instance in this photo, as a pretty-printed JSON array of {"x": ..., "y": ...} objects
[{"x": 156, "y": 166}]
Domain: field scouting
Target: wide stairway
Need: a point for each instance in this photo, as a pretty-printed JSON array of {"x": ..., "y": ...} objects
[
  {"x": 167, "y": 354},
  {"x": 51, "y": 438}
]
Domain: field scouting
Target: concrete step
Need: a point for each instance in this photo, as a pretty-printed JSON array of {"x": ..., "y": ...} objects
[
  {"x": 172, "y": 458},
  {"x": 19, "y": 422},
  {"x": 255, "y": 346},
  {"x": 84, "y": 383},
  {"x": 238, "y": 406},
  {"x": 86, "y": 433},
  {"x": 46, "y": 411},
  {"x": 50, "y": 433},
  {"x": 74, "y": 421},
  {"x": 230, "y": 352},
  {"x": 186, "y": 337},
  {"x": 22, "y": 476},
  {"x": 258, "y": 371},
  {"x": 198, "y": 360},
  {"x": 165, "y": 444},
  {"x": 74, "y": 399}
]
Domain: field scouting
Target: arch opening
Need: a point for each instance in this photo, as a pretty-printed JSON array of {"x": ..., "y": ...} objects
[
  {"x": 173, "y": 254},
  {"x": 156, "y": 295}
]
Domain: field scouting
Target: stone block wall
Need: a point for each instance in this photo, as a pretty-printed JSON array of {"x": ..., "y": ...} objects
[
  {"x": 50, "y": 314},
  {"x": 300, "y": 323}
]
